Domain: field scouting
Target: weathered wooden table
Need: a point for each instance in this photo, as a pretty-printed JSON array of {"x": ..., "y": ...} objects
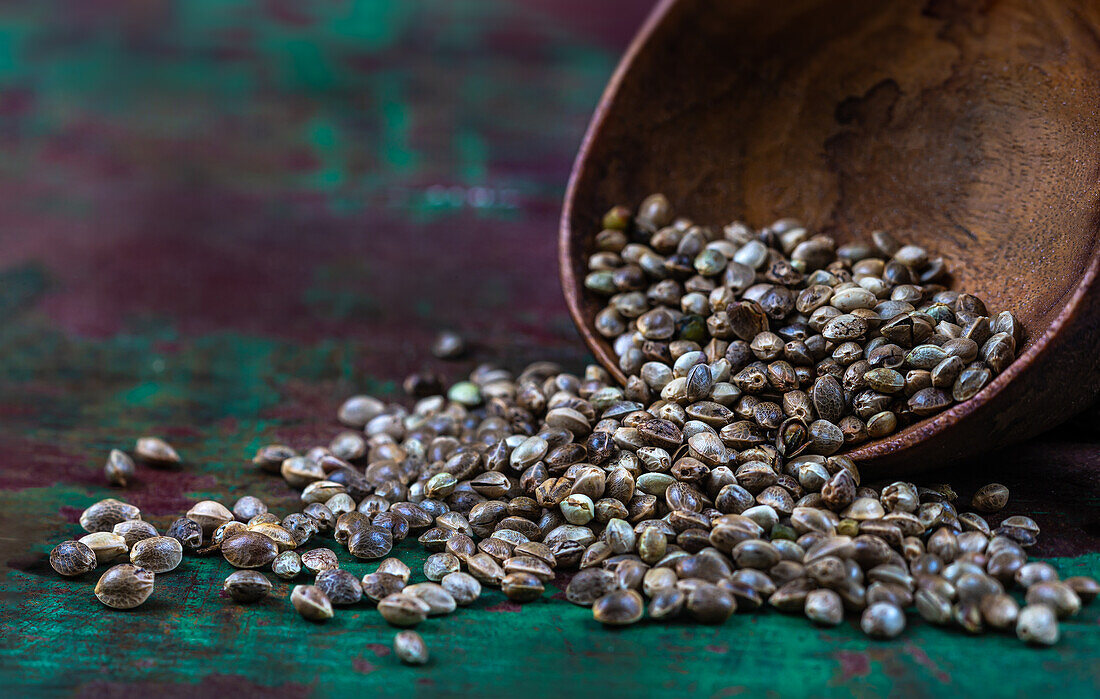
[{"x": 218, "y": 219}]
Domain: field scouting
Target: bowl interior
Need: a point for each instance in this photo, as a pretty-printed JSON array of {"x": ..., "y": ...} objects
[{"x": 969, "y": 130}]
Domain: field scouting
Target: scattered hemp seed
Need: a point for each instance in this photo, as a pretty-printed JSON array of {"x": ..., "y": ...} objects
[
  {"x": 119, "y": 469},
  {"x": 156, "y": 452},
  {"x": 449, "y": 345},
  {"x": 410, "y": 648},
  {"x": 247, "y": 586},
  {"x": 72, "y": 558},
  {"x": 124, "y": 586},
  {"x": 311, "y": 603}
]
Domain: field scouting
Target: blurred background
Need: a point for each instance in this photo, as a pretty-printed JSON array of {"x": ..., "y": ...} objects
[
  {"x": 366, "y": 170},
  {"x": 220, "y": 218}
]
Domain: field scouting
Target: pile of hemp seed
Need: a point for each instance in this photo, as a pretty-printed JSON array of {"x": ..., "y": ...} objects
[
  {"x": 829, "y": 344},
  {"x": 711, "y": 484}
]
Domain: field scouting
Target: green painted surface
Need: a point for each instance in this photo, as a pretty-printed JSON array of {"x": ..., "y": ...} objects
[
  {"x": 536, "y": 652},
  {"x": 189, "y": 634}
]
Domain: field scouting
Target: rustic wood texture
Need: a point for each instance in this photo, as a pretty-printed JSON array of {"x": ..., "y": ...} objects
[
  {"x": 219, "y": 218},
  {"x": 966, "y": 127}
]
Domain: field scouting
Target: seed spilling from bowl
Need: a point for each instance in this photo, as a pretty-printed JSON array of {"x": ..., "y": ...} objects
[{"x": 709, "y": 485}]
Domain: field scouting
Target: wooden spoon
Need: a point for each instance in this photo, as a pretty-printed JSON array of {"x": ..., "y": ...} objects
[{"x": 971, "y": 129}]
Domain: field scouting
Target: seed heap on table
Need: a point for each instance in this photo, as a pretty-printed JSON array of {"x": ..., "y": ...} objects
[{"x": 709, "y": 484}]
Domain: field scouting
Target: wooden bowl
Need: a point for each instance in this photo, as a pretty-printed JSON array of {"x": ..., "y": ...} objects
[{"x": 970, "y": 128}]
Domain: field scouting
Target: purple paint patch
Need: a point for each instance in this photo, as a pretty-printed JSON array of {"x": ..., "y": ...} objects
[
  {"x": 926, "y": 662},
  {"x": 210, "y": 685},
  {"x": 853, "y": 665},
  {"x": 16, "y": 102},
  {"x": 612, "y": 29},
  {"x": 300, "y": 161},
  {"x": 506, "y": 606},
  {"x": 162, "y": 492},
  {"x": 363, "y": 666},
  {"x": 288, "y": 13},
  {"x": 561, "y": 581},
  {"x": 379, "y": 649},
  {"x": 45, "y": 464},
  {"x": 177, "y": 433}
]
